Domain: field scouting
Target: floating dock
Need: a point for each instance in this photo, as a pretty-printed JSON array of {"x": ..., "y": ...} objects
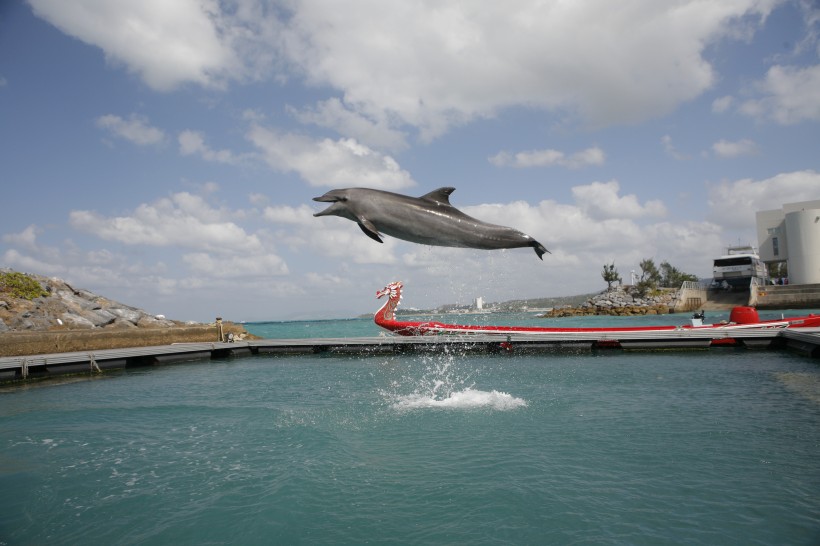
[{"x": 806, "y": 342}]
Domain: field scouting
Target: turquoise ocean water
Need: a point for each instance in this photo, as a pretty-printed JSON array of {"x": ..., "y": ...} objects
[{"x": 670, "y": 447}]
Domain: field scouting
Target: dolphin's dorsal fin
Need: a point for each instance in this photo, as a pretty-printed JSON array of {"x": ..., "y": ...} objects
[{"x": 441, "y": 195}]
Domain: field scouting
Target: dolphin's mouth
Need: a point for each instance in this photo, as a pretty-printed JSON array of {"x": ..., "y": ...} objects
[{"x": 335, "y": 206}]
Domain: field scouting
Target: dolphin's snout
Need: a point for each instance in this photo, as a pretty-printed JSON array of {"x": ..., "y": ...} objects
[{"x": 330, "y": 197}]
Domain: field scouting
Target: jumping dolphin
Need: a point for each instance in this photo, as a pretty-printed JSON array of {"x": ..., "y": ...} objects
[{"x": 429, "y": 219}]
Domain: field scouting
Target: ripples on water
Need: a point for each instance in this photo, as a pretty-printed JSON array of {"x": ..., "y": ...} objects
[{"x": 712, "y": 447}]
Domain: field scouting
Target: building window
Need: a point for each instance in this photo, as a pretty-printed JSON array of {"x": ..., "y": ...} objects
[{"x": 775, "y": 246}]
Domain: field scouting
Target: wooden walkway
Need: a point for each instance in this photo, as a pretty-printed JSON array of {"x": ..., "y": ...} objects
[{"x": 806, "y": 342}]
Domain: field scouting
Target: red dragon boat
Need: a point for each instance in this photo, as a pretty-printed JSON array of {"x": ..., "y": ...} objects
[{"x": 743, "y": 328}]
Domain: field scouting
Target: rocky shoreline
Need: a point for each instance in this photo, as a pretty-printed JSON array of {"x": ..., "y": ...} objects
[
  {"x": 52, "y": 316},
  {"x": 619, "y": 301}
]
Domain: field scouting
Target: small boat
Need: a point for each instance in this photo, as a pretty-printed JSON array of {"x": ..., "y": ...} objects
[{"x": 744, "y": 322}]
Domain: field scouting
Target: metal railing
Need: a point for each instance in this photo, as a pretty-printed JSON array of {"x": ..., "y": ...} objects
[{"x": 694, "y": 285}]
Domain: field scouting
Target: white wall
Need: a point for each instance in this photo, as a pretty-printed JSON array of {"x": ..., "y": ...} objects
[{"x": 803, "y": 227}]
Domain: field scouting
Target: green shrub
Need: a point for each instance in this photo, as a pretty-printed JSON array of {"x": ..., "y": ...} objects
[{"x": 20, "y": 286}]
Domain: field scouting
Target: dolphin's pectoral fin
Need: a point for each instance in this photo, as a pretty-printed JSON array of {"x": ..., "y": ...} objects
[
  {"x": 370, "y": 230},
  {"x": 441, "y": 195}
]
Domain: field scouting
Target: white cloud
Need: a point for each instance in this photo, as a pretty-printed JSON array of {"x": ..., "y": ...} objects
[
  {"x": 671, "y": 150},
  {"x": 581, "y": 238},
  {"x": 283, "y": 214},
  {"x": 26, "y": 238},
  {"x": 722, "y": 104},
  {"x": 135, "y": 129},
  {"x": 333, "y": 114},
  {"x": 434, "y": 65},
  {"x": 328, "y": 236},
  {"x": 166, "y": 43},
  {"x": 27, "y": 263},
  {"x": 182, "y": 220},
  {"x": 324, "y": 279},
  {"x": 236, "y": 266},
  {"x": 574, "y": 234},
  {"x": 738, "y": 148},
  {"x": 326, "y": 162},
  {"x": 600, "y": 200},
  {"x": 425, "y": 65},
  {"x": 548, "y": 158},
  {"x": 580, "y": 244},
  {"x": 734, "y": 204},
  {"x": 789, "y": 95},
  {"x": 343, "y": 240},
  {"x": 193, "y": 143}
]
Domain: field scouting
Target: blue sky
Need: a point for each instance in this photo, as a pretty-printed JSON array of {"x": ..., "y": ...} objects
[{"x": 165, "y": 154}]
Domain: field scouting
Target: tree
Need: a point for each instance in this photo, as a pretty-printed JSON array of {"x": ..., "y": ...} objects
[
  {"x": 668, "y": 276},
  {"x": 650, "y": 277},
  {"x": 778, "y": 270},
  {"x": 672, "y": 277},
  {"x": 610, "y": 275}
]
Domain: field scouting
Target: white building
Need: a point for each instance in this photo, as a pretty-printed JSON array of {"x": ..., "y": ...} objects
[
  {"x": 791, "y": 234},
  {"x": 479, "y": 303}
]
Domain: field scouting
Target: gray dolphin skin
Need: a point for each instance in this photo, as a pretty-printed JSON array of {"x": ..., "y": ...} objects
[{"x": 428, "y": 220}]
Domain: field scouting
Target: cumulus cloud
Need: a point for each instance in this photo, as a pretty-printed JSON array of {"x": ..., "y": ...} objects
[
  {"x": 193, "y": 143},
  {"x": 580, "y": 242},
  {"x": 328, "y": 236},
  {"x": 326, "y": 162},
  {"x": 27, "y": 262},
  {"x": 432, "y": 66},
  {"x": 235, "y": 266},
  {"x": 602, "y": 221},
  {"x": 548, "y": 158},
  {"x": 722, "y": 104},
  {"x": 334, "y": 114},
  {"x": 728, "y": 149},
  {"x": 601, "y": 201},
  {"x": 182, "y": 220},
  {"x": 789, "y": 95},
  {"x": 135, "y": 129},
  {"x": 734, "y": 204},
  {"x": 425, "y": 65},
  {"x": 671, "y": 150},
  {"x": 166, "y": 43},
  {"x": 26, "y": 238},
  {"x": 284, "y": 214}
]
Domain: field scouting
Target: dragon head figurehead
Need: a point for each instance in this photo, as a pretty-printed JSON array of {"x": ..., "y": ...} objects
[{"x": 393, "y": 293}]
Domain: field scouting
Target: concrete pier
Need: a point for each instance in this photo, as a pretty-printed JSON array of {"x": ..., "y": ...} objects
[
  {"x": 789, "y": 296},
  {"x": 12, "y": 369}
]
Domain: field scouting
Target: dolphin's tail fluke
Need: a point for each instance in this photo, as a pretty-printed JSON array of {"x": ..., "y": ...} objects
[{"x": 539, "y": 249}]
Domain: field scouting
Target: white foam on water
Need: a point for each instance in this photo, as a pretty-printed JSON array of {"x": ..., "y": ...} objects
[
  {"x": 442, "y": 381},
  {"x": 466, "y": 399}
]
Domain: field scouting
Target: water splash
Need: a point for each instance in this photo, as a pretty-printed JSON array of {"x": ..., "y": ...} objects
[
  {"x": 443, "y": 385},
  {"x": 467, "y": 399}
]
